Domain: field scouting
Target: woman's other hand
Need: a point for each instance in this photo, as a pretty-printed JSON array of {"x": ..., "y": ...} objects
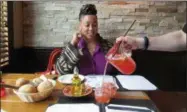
[{"x": 76, "y": 39}]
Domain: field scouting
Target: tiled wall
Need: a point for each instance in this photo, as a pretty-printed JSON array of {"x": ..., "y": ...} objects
[{"x": 51, "y": 24}]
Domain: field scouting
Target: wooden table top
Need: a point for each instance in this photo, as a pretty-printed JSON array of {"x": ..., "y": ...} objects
[
  {"x": 12, "y": 103},
  {"x": 169, "y": 101}
]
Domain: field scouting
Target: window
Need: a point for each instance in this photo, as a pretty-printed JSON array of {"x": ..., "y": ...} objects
[{"x": 4, "y": 44}]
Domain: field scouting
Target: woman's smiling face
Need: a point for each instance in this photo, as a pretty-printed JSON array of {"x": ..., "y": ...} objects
[{"x": 89, "y": 26}]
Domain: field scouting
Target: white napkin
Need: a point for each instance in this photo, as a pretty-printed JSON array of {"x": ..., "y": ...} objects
[
  {"x": 81, "y": 107},
  {"x": 135, "y": 82},
  {"x": 93, "y": 80}
]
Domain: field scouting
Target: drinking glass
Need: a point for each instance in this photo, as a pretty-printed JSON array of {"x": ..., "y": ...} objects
[
  {"x": 110, "y": 87},
  {"x": 101, "y": 95},
  {"x": 3, "y": 91},
  {"x": 105, "y": 90}
]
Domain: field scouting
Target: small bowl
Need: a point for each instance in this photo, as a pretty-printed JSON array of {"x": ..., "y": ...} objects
[
  {"x": 34, "y": 97},
  {"x": 67, "y": 91}
]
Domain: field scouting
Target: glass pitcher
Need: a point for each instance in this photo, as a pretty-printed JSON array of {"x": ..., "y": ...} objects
[{"x": 121, "y": 59}]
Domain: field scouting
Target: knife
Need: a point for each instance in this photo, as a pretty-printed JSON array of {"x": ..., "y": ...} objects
[{"x": 129, "y": 108}]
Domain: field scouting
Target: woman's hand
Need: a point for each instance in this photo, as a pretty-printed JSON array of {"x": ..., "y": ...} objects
[{"x": 76, "y": 39}]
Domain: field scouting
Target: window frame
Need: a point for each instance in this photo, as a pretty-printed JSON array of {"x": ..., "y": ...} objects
[{"x": 10, "y": 34}]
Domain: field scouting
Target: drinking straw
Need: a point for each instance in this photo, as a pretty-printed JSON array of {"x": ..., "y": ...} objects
[{"x": 118, "y": 45}]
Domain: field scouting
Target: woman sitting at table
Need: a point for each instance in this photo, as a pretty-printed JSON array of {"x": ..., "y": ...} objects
[{"x": 87, "y": 49}]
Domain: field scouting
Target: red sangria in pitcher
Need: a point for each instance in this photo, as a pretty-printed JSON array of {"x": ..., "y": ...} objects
[{"x": 120, "y": 59}]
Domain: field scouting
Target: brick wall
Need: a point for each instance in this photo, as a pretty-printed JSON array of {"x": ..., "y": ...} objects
[{"x": 51, "y": 24}]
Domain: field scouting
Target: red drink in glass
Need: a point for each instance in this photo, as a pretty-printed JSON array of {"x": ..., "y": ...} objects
[
  {"x": 101, "y": 95},
  {"x": 102, "y": 99},
  {"x": 110, "y": 88},
  {"x": 3, "y": 91}
]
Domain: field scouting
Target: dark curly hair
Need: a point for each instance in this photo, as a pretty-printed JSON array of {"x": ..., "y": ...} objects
[{"x": 87, "y": 9}]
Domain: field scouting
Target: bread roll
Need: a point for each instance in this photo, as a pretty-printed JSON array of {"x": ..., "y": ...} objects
[
  {"x": 28, "y": 88},
  {"x": 21, "y": 81},
  {"x": 37, "y": 81},
  {"x": 44, "y": 86}
]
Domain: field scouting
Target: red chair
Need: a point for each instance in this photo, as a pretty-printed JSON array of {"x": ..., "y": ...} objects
[{"x": 50, "y": 67}]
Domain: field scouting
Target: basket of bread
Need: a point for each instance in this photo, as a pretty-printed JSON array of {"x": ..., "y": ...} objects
[{"x": 35, "y": 90}]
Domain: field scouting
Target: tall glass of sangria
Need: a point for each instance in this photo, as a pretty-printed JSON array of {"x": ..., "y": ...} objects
[
  {"x": 105, "y": 91},
  {"x": 101, "y": 95}
]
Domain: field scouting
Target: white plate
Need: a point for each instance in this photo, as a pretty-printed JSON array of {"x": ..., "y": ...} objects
[{"x": 67, "y": 79}]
